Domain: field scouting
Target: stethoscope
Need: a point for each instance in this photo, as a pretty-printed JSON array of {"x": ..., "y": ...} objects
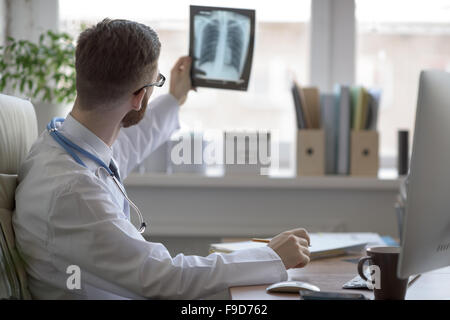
[{"x": 69, "y": 146}]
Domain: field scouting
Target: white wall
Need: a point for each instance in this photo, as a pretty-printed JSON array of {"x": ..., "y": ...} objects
[
  {"x": 2, "y": 21},
  {"x": 30, "y": 18},
  {"x": 188, "y": 218},
  {"x": 235, "y": 212}
]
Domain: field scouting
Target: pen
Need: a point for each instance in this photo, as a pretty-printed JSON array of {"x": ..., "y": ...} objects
[
  {"x": 265, "y": 240},
  {"x": 260, "y": 240}
]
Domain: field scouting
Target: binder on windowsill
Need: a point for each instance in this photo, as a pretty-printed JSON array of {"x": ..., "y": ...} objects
[
  {"x": 311, "y": 152},
  {"x": 364, "y": 158}
]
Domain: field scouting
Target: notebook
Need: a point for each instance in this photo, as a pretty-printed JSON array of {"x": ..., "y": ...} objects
[
  {"x": 323, "y": 245},
  {"x": 329, "y": 123},
  {"x": 343, "y": 101},
  {"x": 301, "y": 124},
  {"x": 306, "y": 112},
  {"x": 312, "y": 104},
  {"x": 360, "y": 99},
  {"x": 374, "y": 105}
]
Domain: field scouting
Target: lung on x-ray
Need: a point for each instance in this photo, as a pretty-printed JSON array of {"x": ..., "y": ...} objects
[{"x": 221, "y": 45}]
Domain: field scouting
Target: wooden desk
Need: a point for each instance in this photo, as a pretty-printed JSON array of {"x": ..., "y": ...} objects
[{"x": 330, "y": 274}]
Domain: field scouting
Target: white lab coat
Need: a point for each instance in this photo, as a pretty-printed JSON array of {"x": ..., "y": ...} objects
[{"x": 67, "y": 214}]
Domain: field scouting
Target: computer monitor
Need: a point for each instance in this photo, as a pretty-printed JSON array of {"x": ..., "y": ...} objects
[{"x": 426, "y": 229}]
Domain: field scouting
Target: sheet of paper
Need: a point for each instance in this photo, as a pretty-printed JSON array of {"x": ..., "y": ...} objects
[
  {"x": 319, "y": 242},
  {"x": 331, "y": 241}
]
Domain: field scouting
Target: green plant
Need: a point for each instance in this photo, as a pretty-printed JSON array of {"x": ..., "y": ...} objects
[{"x": 43, "y": 71}]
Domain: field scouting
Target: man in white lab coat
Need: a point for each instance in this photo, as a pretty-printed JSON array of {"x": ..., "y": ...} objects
[{"x": 72, "y": 221}]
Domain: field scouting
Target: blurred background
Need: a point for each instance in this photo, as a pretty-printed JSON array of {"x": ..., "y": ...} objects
[{"x": 373, "y": 43}]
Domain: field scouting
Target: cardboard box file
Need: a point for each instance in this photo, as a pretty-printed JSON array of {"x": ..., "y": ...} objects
[
  {"x": 310, "y": 152},
  {"x": 364, "y": 159}
]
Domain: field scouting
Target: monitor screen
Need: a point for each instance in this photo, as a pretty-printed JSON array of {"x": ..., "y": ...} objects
[
  {"x": 426, "y": 226},
  {"x": 221, "y": 45}
]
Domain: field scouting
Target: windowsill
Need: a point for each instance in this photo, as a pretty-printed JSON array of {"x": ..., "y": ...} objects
[{"x": 282, "y": 180}]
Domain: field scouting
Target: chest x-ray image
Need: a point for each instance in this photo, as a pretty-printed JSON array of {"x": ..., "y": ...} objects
[{"x": 221, "y": 45}]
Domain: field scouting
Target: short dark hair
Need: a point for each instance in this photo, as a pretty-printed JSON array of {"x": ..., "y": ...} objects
[{"x": 112, "y": 59}]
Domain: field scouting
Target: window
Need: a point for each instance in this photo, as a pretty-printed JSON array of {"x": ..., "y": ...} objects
[
  {"x": 281, "y": 48},
  {"x": 395, "y": 41}
]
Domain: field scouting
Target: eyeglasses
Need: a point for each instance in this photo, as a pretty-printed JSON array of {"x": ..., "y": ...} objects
[{"x": 158, "y": 83}]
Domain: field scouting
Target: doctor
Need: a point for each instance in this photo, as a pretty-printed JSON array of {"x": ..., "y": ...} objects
[{"x": 71, "y": 218}]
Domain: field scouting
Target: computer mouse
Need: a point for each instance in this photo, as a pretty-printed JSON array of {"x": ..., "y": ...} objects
[{"x": 291, "y": 286}]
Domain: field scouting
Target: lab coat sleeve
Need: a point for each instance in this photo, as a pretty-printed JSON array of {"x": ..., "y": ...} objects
[
  {"x": 135, "y": 143},
  {"x": 86, "y": 231}
]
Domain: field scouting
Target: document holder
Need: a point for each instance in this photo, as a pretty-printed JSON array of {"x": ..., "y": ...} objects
[
  {"x": 364, "y": 159},
  {"x": 310, "y": 152}
]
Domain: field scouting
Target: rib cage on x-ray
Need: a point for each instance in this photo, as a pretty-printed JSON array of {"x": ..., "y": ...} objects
[
  {"x": 235, "y": 41},
  {"x": 210, "y": 38},
  {"x": 221, "y": 44}
]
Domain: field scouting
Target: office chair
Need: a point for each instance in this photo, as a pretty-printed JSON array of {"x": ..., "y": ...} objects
[{"x": 18, "y": 130}]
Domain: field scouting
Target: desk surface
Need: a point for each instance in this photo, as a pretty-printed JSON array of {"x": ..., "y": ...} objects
[{"x": 330, "y": 274}]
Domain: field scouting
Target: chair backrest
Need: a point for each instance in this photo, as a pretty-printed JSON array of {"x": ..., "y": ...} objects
[{"x": 18, "y": 130}]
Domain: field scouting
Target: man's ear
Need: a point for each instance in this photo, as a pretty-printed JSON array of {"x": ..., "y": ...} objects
[{"x": 136, "y": 101}]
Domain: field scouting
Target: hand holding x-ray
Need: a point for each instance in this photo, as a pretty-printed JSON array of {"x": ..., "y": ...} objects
[{"x": 180, "y": 82}]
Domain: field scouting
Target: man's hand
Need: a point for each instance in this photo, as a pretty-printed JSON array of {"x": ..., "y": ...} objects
[
  {"x": 180, "y": 79},
  {"x": 292, "y": 247}
]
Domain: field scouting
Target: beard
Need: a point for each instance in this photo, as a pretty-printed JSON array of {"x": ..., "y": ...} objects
[{"x": 134, "y": 117}]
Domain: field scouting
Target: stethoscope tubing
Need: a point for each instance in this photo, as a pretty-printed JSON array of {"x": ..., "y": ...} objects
[{"x": 69, "y": 146}]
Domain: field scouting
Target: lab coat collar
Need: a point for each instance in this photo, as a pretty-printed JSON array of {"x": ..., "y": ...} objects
[{"x": 86, "y": 139}]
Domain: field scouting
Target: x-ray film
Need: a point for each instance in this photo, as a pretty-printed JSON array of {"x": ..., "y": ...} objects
[{"x": 221, "y": 45}]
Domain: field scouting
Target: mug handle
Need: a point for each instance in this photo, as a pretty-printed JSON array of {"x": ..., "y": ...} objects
[{"x": 360, "y": 267}]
